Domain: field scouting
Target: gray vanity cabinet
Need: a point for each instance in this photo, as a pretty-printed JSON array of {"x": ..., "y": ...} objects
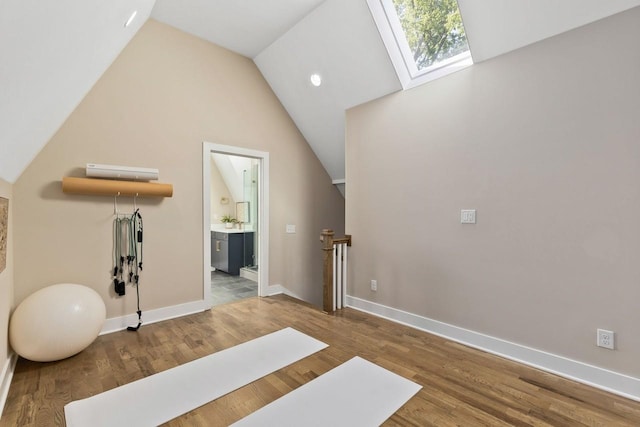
[{"x": 231, "y": 251}]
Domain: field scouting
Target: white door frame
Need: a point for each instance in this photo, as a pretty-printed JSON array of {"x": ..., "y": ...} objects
[{"x": 263, "y": 213}]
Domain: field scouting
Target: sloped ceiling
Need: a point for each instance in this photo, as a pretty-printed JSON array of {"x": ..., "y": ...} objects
[
  {"x": 243, "y": 26},
  {"x": 354, "y": 66},
  {"x": 495, "y": 27},
  {"x": 53, "y": 52}
]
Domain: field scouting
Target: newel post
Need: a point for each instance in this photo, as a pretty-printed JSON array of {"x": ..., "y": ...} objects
[{"x": 327, "y": 272}]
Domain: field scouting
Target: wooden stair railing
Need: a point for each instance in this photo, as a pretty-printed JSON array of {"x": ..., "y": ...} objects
[{"x": 334, "y": 278}]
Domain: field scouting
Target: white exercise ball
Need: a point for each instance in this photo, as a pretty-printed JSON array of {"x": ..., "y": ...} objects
[{"x": 56, "y": 322}]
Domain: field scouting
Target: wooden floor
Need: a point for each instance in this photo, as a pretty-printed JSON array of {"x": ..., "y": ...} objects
[{"x": 461, "y": 386}]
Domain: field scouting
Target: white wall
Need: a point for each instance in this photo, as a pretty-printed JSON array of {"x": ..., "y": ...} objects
[{"x": 220, "y": 191}]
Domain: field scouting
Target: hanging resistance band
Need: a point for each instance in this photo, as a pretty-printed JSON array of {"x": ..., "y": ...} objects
[
  {"x": 119, "y": 224},
  {"x": 127, "y": 246},
  {"x": 135, "y": 245}
]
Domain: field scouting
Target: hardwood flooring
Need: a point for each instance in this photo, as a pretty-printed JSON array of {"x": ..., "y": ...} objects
[{"x": 461, "y": 386}]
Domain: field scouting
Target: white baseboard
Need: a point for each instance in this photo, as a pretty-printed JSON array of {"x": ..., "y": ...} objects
[
  {"x": 5, "y": 379},
  {"x": 279, "y": 289},
  {"x": 115, "y": 324},
  {"x": 275, "y": 290},
  {"x": 613, "y": 382},
  {"x": 152, "y": 316},
  {"x": 248, "y": 274},
  {"x": 291, "y": 294}
]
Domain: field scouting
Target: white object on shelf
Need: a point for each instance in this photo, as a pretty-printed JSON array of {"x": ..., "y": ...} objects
[{"x": 95, "y": 170}]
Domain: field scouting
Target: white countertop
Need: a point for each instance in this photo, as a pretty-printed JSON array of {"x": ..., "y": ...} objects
[{"x": 229, "y": 230}]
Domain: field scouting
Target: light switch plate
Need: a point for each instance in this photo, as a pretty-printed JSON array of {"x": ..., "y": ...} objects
[
  {"x": 291, "y": 228},
  {"x": 468, "y": 216}
]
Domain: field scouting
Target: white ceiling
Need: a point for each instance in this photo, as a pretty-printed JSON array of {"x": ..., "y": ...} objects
[
  {"x": 243, "y": 26},
  {"x": 353, "y": 63},
  {"x": 495, "y": 27},
  {"x": 53, "y": 52}
]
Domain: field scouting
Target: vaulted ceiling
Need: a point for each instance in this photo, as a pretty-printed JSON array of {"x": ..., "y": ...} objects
[{"x": 53, "y": 52}]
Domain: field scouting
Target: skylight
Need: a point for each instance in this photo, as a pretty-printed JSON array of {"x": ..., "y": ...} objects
[{"x": 425, "y": 38}]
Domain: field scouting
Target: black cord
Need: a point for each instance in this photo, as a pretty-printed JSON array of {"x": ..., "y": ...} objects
[{"x": 136, "y": 238}]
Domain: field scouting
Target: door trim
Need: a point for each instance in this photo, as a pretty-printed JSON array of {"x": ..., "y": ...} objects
[{"x": 263, "y": 213}]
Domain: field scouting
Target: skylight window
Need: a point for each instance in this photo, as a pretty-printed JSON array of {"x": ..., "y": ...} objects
[{"x": 425, "y": 38}]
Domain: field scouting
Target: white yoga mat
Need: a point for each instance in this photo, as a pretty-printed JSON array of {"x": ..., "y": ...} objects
[
  {"x": 163, "y": 396},
  {"x": 356, "y": 393}
]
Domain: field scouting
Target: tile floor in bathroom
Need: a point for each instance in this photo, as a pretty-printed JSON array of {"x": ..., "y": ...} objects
[{"x": 227, "y": 288}]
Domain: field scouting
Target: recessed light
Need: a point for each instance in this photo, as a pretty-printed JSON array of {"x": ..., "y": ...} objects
[
  {"x": 315, "y": 79},
  {"x": 131, "y": 18}
]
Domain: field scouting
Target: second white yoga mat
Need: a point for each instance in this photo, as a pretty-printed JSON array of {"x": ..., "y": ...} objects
[
  {"x": 163, "y": 396},
  {"x": 355, "y": 394}
]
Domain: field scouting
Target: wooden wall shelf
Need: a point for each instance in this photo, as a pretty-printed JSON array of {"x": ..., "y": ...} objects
[{"x": 113, "y": 187}]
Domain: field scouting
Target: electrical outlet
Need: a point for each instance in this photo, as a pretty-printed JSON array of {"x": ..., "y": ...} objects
[
  {"x": 606, "y": 339},
  {"x": 374, "y": 285}
]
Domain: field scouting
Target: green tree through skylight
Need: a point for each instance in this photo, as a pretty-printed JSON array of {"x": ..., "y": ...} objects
[{"x": 433, "y": 29}]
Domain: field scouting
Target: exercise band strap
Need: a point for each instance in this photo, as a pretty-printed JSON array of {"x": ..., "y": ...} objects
[{"x": 135, "y": 240}]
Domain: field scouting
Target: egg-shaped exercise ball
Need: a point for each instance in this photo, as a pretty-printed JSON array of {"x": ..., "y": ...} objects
[{"x": 56, "y": 322}]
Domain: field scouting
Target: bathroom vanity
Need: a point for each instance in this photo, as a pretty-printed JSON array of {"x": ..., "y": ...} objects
[{"x": 231, "y": 250}]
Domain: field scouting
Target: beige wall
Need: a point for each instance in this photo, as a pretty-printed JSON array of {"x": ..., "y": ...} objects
[
  {"x": 545, "y": 143},
  {"x": 6, "y": 281},
  {"x": 162, "y": 97}
]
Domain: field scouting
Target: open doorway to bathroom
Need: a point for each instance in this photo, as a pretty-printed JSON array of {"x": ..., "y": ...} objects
[
  {"x": 234, "y": 228},
  {"x": 235, "y": 225}
]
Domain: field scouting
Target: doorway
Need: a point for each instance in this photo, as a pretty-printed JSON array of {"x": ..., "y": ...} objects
[{"x": 235, "y": 223}]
